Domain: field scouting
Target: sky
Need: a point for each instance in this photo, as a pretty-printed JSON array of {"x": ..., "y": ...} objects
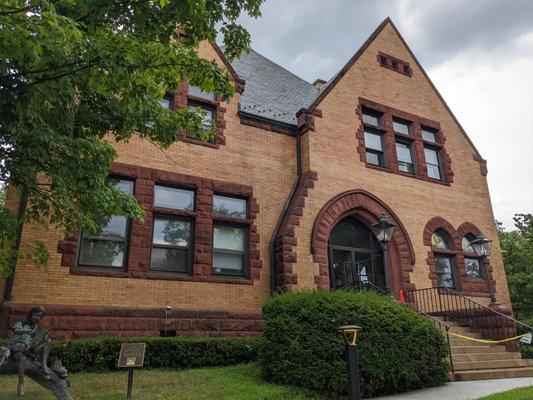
[{"x": 479, "y": 54}]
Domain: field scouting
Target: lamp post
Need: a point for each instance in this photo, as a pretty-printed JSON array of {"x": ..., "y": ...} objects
[
  {"x": 349, "y": 333},
  {"x": 384, "y": 231},
  {"x": 483, "y": 248}
]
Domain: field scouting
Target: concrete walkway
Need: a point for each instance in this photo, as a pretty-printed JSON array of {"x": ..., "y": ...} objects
[{"x": 462, "y": 390}]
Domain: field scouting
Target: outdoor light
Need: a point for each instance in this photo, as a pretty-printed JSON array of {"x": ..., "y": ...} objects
[
  {"x": 482, "y": 246},
  {"x": 384, "y": 231},
  {"x": 349, "y": 332}
]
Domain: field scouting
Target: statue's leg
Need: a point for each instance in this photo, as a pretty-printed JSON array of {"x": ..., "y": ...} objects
[
  {"x": 46, "y": 352},
  {"x": 22, "y": 369}
]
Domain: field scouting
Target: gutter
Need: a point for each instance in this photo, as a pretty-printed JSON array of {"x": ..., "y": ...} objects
[{"x": 284, "y": 214}]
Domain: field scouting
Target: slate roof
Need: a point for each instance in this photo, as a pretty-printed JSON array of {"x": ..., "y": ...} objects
[{"x": 271, "y": 91}]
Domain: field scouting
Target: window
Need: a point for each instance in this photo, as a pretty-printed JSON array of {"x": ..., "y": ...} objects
[
  {"x": 401, "y": 126},
  {"x": 107, "y": 247},
  {"x": 197, "y": 92},
  {"x": 395, "y": 65},
  {"x": 229, "y": 244},
  {"x": 429, "y": 135},
  {"x": 432, "y": 163},
  {"x": 405, "y": 158},
  {"x": 208, "y": 112},
  {"x": 383, "y": 61},
  {"x": 171, "y": 245},
  {"x": 166, "y": 103},
  {"x": 440, "y": 242},
  {"x": 472, "y": 262},
  {"x": 374, "y": 148},
  {"x": 229, "y": 240},
  {"x": 169, "y": 197},
  {"x": 229, "y": 206},
  {"x": 407, "y": 70},
  {"x": 371, "y": 117}
]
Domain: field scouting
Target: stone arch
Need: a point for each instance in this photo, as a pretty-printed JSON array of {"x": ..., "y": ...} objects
[
  {"x": 440, "y": 223},
  {"x": 367, "y": 208}
]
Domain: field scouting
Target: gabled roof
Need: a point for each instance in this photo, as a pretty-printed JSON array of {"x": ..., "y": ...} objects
[{"x": 271, "y": 91}]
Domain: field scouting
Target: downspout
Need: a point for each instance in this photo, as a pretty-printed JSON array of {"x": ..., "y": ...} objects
[
  {"x": 8, "y": 288},
  {"x": 284, "y": 214}
]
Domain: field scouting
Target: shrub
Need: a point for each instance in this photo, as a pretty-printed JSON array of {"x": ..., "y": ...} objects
[
  {"x": 527, "y": 349},
  {"x": 398, "y": 348},
  {"x": 101, "y": 354}
]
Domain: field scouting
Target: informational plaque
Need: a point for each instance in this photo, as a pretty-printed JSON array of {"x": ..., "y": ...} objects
[{"x": 131, "y": 355}]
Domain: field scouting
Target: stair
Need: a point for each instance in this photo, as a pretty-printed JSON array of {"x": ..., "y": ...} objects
[{"x": 478, "y": 361}]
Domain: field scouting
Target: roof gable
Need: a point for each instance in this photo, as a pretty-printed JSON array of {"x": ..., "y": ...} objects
[{"x": 337, "y": 77}]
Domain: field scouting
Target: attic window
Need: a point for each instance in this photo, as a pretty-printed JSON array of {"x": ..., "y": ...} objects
[{"x": 394, "y": 64}]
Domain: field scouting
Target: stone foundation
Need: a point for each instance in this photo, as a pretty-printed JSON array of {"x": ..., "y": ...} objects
[{"x": 72, "y": 322}]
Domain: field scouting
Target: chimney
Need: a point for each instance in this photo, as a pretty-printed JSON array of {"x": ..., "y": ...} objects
[{"x": 319, "y": 83}]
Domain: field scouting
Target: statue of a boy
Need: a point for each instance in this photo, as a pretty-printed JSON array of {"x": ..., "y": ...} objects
[{"x": 28, "y": 341}]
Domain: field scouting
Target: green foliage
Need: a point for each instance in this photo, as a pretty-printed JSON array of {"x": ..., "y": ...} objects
[
  {"x": 398, "y": 349},
  {"x": 101, "y": 355},
  {"x": 76, "y": 75},
  {"x": 517, "y": 253}
]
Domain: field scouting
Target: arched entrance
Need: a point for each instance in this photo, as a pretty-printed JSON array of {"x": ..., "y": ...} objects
[
  {"x": 364, "y": 208},
  {"x": 355, "y": 256}
]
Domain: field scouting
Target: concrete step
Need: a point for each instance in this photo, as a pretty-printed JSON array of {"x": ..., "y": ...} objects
[
  {"x": 463, "y": 330},
  {"x": 487, "y": 356},
  {"x": 492, "y": 364},
  {"x": 455, "y": 341},
  {"x": 477, "y": 349},
  {"x": 486, "y": 374}
]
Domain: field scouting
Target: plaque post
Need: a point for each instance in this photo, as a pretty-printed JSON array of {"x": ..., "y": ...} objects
[{"x": 130, "y": 384}]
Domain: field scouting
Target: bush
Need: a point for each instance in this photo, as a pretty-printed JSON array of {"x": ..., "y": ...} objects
[
  {"x": 527, "y": 349},
  {"x": 398, "y": 349},
  {"x": 100, "y": 355}
]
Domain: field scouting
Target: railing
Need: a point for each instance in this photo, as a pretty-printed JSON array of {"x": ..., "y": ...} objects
[{"x": 452, "y": 306}]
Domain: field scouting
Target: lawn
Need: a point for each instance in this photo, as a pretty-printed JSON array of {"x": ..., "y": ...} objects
[
  {"x": 525, "y": 393},
  {"x": 239, "y": 382}
]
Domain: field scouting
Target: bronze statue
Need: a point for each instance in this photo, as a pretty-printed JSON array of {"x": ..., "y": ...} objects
[{"x": 27, "y": 353}]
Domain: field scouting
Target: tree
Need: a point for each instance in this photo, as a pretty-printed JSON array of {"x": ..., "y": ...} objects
[
  {"x": 517, "y": 252},
  {"x": 76, "y": 75}
]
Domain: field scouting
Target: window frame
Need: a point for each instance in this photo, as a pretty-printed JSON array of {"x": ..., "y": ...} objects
[
  {"x": 473, "y": 256},
  {"x": 190, "y": 247},
  {"x": 127, "y": 240},
  {"x": 410, "y": 145},
  {"x": 170, "y": 210},
  {"x": 245, "y": 253},
  {"x": 437, "y": 150},
  {"x": 449, "y": 253}
]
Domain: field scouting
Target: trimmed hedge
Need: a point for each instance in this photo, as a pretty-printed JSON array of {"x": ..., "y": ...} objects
[
  {"x": 101, "y": 354},
  {"x": 398, "y": 349}
]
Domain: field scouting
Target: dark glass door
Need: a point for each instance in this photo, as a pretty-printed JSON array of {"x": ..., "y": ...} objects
[{"x": 355, "y": 268}]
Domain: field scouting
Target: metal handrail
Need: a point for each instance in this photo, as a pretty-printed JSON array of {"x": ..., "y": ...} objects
[
  {"x": 490, "y": 309},
  {"x": 451, "y": 305}
]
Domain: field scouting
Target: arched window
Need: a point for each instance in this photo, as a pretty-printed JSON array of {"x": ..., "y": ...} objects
[
  {"x": 472, "y": 260},
  {"x": 442, "y": 246}
]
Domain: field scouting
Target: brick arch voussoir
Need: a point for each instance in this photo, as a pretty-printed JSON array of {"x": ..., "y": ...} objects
[
  {"x": 440, "y": 223},
  {"x": 367, "y": 208},
  {"x": 466, "y": 228}
]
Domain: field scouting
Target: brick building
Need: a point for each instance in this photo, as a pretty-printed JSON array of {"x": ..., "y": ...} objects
[{"x": 284, "y": 197}]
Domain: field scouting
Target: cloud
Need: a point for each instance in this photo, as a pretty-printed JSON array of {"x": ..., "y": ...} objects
[{"x": 479, "y": 53}]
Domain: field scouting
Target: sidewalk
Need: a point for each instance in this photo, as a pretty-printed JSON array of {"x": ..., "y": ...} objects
[{"x": 462, "y": 390}]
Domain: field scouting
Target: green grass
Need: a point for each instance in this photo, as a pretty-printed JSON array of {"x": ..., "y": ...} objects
[
  {"x": 239, "y": 382},
  {"x": 525, "y": 393}
]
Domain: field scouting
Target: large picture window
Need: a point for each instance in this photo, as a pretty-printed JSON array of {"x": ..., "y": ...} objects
[{"x": 107, "y": 248}]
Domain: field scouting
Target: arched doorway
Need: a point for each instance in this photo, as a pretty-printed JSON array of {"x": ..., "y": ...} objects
[
  {"x": 366, "y": 209},
  {"x": 355, "y": 256}
]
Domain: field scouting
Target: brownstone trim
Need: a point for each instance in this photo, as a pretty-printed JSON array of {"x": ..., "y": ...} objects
[
  {"x": 466, "y": 285},
  {"x": 367, "y": 208},
  {"x": 306, "y": 120},
  {"x": 272, "y": 126},
  {"x": 415, "y": 140},
  {"x": 285, "y": 243},
  {"x": 140, "y": 238},
  {"x": 402, "y": 66},
  {"x": 81, "y": 321}
]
